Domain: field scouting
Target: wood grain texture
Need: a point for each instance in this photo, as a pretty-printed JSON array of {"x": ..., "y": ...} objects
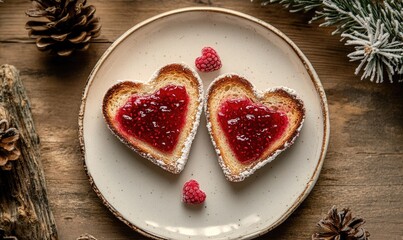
[
  {"x": 363, "y": 168},
  {"x": 24, "y": 207}
]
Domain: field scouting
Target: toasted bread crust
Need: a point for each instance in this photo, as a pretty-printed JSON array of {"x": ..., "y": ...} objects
[
  {"x": 176, "y": 74},
  {"x": 235, "y": 86}
]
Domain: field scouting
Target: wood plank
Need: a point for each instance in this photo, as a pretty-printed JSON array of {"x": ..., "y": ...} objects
[{"x": 24, "y": 207}]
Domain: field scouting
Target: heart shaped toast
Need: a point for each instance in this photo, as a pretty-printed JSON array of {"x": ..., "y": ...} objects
[
  {"x": 157, "y": 119},
  {"x": 250, "y": 128}
]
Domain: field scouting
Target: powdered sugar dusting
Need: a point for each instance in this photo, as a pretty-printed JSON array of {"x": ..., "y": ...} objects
[
  {"x": 180, "y": 163},
  {"x": 259, "y": 94},
  {"x": 177, "y": 165}
]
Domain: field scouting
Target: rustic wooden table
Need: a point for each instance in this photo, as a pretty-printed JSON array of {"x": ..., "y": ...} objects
[{"x": 364, "y": 163}]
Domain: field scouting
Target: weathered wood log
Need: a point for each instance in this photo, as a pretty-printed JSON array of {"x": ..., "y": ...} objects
[{"x": 24, "y": 206}]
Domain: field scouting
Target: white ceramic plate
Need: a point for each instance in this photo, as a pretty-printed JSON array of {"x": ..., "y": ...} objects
[{"x": 147, "y": 198}]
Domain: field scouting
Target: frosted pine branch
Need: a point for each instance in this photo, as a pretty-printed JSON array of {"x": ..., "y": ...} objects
[
  {"x": 297, "y": 5},
  {"x": 375, "y": 51},
  {"x": 374, "y": 28}
]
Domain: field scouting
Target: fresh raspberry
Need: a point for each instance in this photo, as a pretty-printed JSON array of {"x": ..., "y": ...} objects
[
  {"x": 192, "y": 194},
  {"x": 209, "y": 61}
]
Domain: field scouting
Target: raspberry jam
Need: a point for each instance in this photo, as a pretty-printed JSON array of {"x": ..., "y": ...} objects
[
  {"x": 250, "y": 128},
  {"x": 157, "y": 118}
]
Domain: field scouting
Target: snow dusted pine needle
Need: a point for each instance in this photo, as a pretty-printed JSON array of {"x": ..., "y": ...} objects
[{"x": 374, "y": 28}]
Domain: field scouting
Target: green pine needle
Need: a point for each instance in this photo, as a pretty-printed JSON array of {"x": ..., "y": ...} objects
[{"x": 373, "y": 27}]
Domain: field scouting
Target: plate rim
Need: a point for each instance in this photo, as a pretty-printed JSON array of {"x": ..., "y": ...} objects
[{"x": 308, "y": 66}]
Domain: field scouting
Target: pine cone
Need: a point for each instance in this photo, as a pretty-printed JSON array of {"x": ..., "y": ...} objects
[
  {"x": 69, "y": 25},
  {"x": 341, "y": 226},
  {"x": 8, "y": 149}
]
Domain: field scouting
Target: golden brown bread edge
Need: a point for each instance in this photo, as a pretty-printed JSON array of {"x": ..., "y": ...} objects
[
  {"x": 235, "y": 86},
  {"x": 177, "y": 74}
]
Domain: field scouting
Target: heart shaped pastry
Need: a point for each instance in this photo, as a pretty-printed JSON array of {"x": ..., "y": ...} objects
[
  {"x": 157, "y": 119},
  {"x": 250, "y": 128}
]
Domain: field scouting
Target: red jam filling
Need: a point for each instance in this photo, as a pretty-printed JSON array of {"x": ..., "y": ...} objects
[
  {"x": 157, "y": 118},
  {"x": 250, "y": 128}
]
